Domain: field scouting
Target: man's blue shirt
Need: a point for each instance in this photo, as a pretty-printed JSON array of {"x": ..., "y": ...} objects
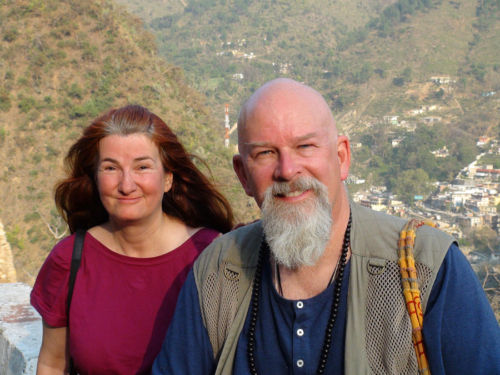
[{"x": 460, "y": 331}]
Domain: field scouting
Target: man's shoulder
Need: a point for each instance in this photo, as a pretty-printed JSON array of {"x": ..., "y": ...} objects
[
  {"x": 377, "y": 232},
  {"x": 366, "y": 215},
  {"x": 238, "y": 247}
]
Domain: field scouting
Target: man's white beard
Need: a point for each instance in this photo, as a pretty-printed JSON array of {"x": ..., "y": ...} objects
[{"x": 297, "y": 233}]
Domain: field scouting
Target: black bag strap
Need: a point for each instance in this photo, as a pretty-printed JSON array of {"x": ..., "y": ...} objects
[{"x": 76, "y": 260}]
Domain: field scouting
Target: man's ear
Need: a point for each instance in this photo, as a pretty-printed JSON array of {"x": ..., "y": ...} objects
[
  {"x": 239, "y": 168},
  {"x": 344, "y": 154}
]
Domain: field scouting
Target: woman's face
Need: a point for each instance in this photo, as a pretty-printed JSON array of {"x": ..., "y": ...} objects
[{"x": 131, "y": 178}]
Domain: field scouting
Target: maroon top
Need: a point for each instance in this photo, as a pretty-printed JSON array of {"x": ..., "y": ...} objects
[{"x": 121, "y": 307}]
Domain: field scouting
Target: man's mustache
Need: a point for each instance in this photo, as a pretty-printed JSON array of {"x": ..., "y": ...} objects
[{"x": 301, "y": 184}]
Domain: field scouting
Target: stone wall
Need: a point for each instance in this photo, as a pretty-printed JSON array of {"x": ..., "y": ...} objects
[
  {"x": 7, "y": 270},
  {"x": 20, "y": 331}
]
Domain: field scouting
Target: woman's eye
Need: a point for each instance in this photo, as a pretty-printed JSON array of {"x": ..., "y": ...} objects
[{"x": 109, "y": 168}]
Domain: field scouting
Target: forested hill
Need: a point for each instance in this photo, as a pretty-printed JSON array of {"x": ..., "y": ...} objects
[
  {"x": 368, "y": 58},
  {"x": 61, "y": 64}
]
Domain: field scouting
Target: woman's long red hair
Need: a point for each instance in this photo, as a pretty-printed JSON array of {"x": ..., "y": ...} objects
[{"x": 192, "y": 199}]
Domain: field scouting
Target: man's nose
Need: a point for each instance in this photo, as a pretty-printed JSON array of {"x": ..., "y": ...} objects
[
  {"x": 288, "y": 168},
  {"x": 127, "y": 183}
]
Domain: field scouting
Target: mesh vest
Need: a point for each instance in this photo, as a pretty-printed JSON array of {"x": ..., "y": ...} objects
[{"x": 378, "y": 334}]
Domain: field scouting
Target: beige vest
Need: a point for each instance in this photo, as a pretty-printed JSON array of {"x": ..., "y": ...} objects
[{"x": 378, "y": 335}]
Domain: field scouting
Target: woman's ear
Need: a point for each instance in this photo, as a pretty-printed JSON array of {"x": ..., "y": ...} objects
[{"x": 168, "y": 181}]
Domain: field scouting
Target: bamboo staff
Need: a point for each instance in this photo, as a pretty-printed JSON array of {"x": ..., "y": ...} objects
[{"x": 410, "y": 288}]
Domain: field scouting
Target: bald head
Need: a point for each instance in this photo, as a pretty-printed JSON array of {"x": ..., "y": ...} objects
[{"x": 281, "y": 97}]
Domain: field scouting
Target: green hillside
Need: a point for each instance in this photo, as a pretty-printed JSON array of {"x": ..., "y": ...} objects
[
  {"x": 64, "y": 62},
  {"x": 61, "y": 64},
  {"x": 368, "y": 58}
]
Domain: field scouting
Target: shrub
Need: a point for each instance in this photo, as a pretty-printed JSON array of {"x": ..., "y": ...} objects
[
  {"x": 72, "y": 136},
  {"x": 67, "y": 43},
  {"x": 9, "y": 74},
  {"x": 398, "y": 81},
  {"x": 51, "y": 151},
  {"x": 10, "y": 35},
  {"x": 37, "y": 158},
  {"x": 57, "y": 124},
  {"x": 40, "y": 60},
  {"x": 22, "y": 81},
  {"x": 34, "y": 234},
  {"x": 30, "y": 140},
  {"x": 75, "y": 91},
  {"x": 76, "y": 112},
  {"x": 4, "y": 100},
  {"x": 12, "y": 238},
  {"x": 439, "y": 94},
  {"x": 32, "y": 216},
  {"x": 56, "y": 55},
  {"x": 41, "y": 195},
  {"x": 3, "y": 134},
  {"x": 25, "y": 104},
  {"x": 89, "y": 52}
]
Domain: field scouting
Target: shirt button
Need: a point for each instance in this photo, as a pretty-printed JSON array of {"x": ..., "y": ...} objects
[
  {"x": 300, "y": 332},
  {"x": 300, "y": 363},
  {"x": 300, "y": 304}
]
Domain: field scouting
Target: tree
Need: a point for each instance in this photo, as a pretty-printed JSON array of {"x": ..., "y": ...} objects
[
  {"x": 407, "y": 74},
  {"x": 398, "y": 81},
  {"x": 439, "y": 94},
  {"x": 410, "y": 183},
  {"x": 55, "y": 224}
]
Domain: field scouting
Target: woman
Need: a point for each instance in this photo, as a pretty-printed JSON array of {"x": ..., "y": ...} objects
[{"x": 149, "y": 213}]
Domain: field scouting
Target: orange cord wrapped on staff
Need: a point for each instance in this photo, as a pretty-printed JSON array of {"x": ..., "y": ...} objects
[{"x": 410, "y": 287}]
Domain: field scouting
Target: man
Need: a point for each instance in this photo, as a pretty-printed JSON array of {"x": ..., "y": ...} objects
[{"x": 315, "y": 287}]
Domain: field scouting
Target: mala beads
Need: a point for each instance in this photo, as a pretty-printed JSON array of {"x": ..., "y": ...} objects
[{"x": 254, "y": 313}]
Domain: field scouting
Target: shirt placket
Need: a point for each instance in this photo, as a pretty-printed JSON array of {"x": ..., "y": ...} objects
[{"x": 300, "y": 349}]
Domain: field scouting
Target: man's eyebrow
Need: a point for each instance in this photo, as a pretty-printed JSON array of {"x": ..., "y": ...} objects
[
  {"x": 306, "y": 136},
  {"x": 257, "y": 144},
  {"x": 267, "y": 144}
]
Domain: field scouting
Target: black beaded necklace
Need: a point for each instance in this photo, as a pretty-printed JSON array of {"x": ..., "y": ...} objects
[{"x": 264, "y": 251}]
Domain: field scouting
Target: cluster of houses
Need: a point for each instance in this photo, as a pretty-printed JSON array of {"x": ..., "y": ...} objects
[
  {"x": 238, "y": 54},
  {"x": 439, "y": 153},
  {"x": 394, "y": 120},
  {"x": 442, "y": 80},
  {"x": 494, "y": 144},
  {"x": 474, "y": 202},
  {"x": 460, "y": 204},
  {"x": 455, "y": 208},
  {"x": 284, "y": 68},
  {"x": 423, "y": 109}
]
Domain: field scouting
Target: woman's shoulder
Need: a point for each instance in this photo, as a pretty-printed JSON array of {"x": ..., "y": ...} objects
[
  {"x": 205, "y": 235},
  {"x": 62, "y": 252}
]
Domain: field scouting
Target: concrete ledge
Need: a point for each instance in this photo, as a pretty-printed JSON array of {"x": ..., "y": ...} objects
[{"x": 20, "y": 331}]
